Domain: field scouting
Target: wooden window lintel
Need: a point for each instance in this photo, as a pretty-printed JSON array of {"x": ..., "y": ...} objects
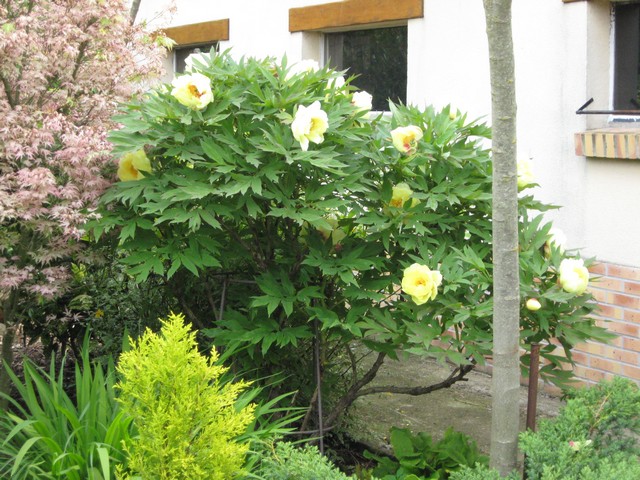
[
  {"x": 205, "y": 32},
  {"x": 351, "y": 13}
]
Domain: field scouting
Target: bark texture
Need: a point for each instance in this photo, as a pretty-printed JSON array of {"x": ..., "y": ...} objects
[{"x": 506, "y": 313}]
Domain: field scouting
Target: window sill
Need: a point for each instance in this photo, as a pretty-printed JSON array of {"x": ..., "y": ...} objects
[{"x": 609, "y": 143}]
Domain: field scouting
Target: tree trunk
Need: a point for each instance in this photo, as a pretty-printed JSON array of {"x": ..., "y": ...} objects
[
  {"x": 506, "y": 313},
  {"x": 133, "y": 12}
]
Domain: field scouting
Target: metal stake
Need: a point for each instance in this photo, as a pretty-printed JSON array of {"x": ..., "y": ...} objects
[{"x": 316, "y": 354}]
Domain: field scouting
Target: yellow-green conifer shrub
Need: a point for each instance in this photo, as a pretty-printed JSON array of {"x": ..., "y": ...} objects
[{"x": 185, "y": 415}]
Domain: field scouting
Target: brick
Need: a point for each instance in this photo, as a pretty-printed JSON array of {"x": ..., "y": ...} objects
[
  {"x": 632, "y": 288},
  {"x": 631, "y": 372},
  {"x": 593, "y": 375},
  {"x": 622, "y": 328},
  {"x": 625, "y": 356},
  {"x": 631, "y": 316},
  {"x": 628, "y": 273},
  {"x": 632, "y": 344},
  {"x": 601, "y": 296},
  {"x": 610, "y": 311},
  {"x": 609, "y": 283},
  {"x": 590, "y": 347},
  {"x": 606, "y": 365},
  {"x": 617, "y": 342},
  {"x": 627, "y": 301},
  {"x": 580, "y": 358},
  {"x": 598, "y": 269}
]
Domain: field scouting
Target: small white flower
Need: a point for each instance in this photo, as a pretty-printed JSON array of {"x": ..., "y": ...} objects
[{"x": 362, "y": 100}]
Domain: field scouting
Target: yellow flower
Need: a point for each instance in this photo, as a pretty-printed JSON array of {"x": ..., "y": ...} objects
[
  {"x": 421, "y": 283},
  {"x": 406, "y": 139},
  {"x": 533, "y": 304},
  {"x": 573, "y": 276},
  {"x": 525, "y": 173},
  {"x": 309, "y": 124},
  {"x": 99, "y": 313},
  {"x": 193, "y": 91},
  {"x": 401, "y": 193},
  {"x": 362, "y": 100},
  {"x": 132, "y": 165}
]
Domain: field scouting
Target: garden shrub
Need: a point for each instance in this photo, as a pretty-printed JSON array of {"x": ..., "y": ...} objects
[
  {"x": 186, "y": 418},
  {"x": 594, "y": 436},
  {"x": 418, "y": 457},
  {"x": 286, "y": 461},
  {"x": 46, "y": 434},
  {"x": 297, "y": 207}
]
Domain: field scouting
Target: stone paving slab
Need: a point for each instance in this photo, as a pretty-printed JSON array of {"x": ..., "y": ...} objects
[{"x": 466, "y": 406}]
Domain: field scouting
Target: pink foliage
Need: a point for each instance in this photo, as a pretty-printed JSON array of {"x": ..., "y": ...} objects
[{"x": 64, "y": 66}]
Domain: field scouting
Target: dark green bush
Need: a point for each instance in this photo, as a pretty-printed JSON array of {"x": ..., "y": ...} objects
[{"x": 595, "y": 436}]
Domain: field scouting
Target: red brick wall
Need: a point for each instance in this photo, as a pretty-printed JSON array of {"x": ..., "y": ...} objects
[{"x": 617, "y": 290}]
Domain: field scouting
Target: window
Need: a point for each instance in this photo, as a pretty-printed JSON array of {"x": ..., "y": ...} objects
[
  {"x": 626, "y": 89},
  {"x": 180, "y": 54},
  {"x": 379, "y": 58},
  {"x": 196, "y": 37}
]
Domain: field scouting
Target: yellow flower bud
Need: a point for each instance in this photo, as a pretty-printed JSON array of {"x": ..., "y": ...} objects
[
  {"x": 525, "y": 173},
  {"x": 533, "y": 304},
  {"x": 573, "y": 276}
]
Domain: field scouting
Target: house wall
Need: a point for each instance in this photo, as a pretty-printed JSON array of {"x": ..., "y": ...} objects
[{"x": 562, "y": 59}]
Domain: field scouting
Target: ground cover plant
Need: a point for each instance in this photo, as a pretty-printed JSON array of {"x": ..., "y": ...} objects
[{"x": 303, "y": 217}]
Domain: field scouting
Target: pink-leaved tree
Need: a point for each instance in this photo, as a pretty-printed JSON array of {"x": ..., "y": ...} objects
[{"x": 64, "y": 66}]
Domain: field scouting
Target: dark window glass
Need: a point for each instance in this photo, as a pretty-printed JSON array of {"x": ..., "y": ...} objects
[
  {"x": 377, "y": 56},
  {"x": 182, "y": 53},
  {"x": 626, "y": 92}
]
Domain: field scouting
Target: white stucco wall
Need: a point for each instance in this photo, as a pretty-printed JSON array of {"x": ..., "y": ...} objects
[{"x": 562, "y": 59}]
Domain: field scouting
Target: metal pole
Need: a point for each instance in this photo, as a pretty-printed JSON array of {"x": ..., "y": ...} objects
[
  {"x": 316, "y": 354},
  {"x": 532, "y": 394},
  {"x": 532, "y": 397}
]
